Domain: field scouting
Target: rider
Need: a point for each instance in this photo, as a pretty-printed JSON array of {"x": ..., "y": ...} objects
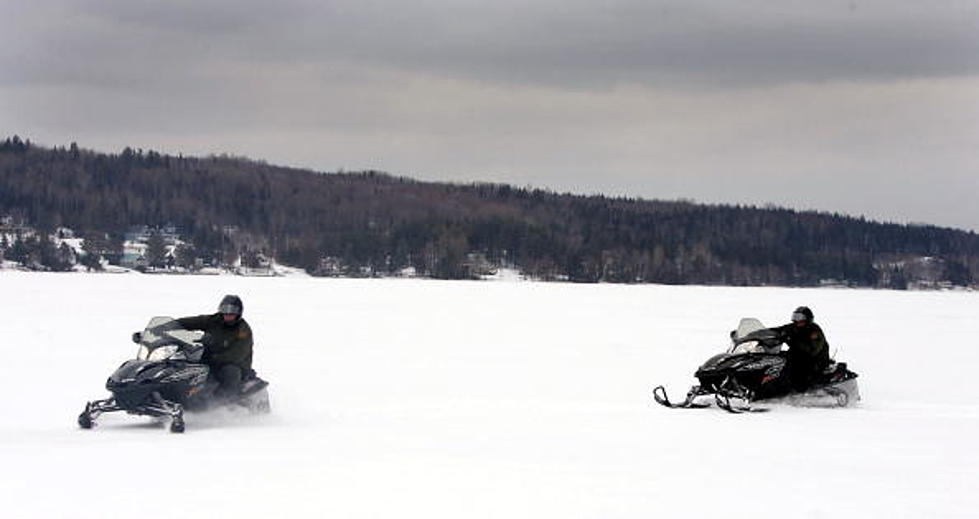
[
  {"x": 808, "y": 353},
  {"x": 227, "y": 344}
]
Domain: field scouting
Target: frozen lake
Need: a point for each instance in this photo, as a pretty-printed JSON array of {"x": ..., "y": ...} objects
[{"x": 429, "y": 399}]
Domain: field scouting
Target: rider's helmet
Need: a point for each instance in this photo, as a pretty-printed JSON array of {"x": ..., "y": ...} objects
[
  {"x": 231, "y": 309},
  {"x": 802, "y": 315}
]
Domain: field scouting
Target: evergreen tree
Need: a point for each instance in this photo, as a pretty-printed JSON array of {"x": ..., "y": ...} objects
[
  {"x": 19, "y": 251},
  {"x": 156, "y": 250},
  {"x": 185, "y": 256},
  {"x": 92, "y": 262},
  {"x": 65, "y": 258},
  {"x": 958, "y": 273},
  {"x": 898, "y": 281},
  {"x": 95, "y": 245}
]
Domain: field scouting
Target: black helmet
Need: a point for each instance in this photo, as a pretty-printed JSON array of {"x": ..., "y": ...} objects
[
  {"x": 231, "y": 305},
  {"x": 803, "y": 313}
]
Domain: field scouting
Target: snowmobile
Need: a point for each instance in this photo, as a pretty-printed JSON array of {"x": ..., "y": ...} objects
[
  {"x": 753, "y": 369},
  {"x": 167, "y": 377}
]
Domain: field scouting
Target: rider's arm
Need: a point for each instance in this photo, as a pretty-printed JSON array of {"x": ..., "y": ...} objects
[
  {"x": 196, "y": 322},
  {"x": 186, "y": 323}
]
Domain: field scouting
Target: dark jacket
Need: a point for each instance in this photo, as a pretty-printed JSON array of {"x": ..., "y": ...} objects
[
  {"x": 808, "y": 353},
  {"x": 223, "y": 344}
]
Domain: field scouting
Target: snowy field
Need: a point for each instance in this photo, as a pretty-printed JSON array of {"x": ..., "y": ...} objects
[{"x": 427, "y": 399}]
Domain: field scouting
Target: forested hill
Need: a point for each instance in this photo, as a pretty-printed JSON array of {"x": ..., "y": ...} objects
[{"x": 374, "y": 224}]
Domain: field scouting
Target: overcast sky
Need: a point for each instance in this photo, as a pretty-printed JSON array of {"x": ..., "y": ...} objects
[{"x": 862, "y": 107}]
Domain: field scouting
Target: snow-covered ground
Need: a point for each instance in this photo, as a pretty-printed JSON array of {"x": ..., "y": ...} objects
[{"x": 428, "y": 399}]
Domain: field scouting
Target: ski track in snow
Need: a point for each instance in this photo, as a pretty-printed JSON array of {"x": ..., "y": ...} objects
[{"x": 429, "y": 399}]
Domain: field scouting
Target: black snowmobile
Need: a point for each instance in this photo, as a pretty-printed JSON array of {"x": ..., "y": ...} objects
[
  {"x": 753, "y": 369},
  {"x": 167, "y": 377}
]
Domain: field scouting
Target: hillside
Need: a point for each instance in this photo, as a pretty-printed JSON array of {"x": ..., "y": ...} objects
[{"x": 370, "y": 223}]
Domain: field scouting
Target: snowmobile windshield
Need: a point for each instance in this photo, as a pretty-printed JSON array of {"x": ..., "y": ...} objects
[
  {"x": 753, "y": 337},
  {"x": 164, "y": 338},
  {"x": 161, "y": 353}
]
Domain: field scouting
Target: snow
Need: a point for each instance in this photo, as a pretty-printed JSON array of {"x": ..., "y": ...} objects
[
  {"x": 505, "y": 274},
  {"x": 9, "y": 265},
  {"x": 418, "y": 398},
  {"x": 287, "y": 271}
]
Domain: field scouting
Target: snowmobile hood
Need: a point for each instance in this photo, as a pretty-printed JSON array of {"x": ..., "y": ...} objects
[
  {"x": 136, "y": 371},
  {"x": 742, "y": 362}
]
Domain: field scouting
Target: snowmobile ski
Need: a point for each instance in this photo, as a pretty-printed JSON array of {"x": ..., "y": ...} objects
[
  {"x": 724, "y": 402},
  {"x": 659, "y": 394}
]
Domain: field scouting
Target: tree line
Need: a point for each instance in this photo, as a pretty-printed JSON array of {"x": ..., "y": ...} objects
[{"x": 372, "y": 223}]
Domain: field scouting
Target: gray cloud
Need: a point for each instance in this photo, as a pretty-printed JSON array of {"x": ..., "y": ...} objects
[
  {"x": 860, "y": 106},
  {"x": 566, "y": 43}
]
